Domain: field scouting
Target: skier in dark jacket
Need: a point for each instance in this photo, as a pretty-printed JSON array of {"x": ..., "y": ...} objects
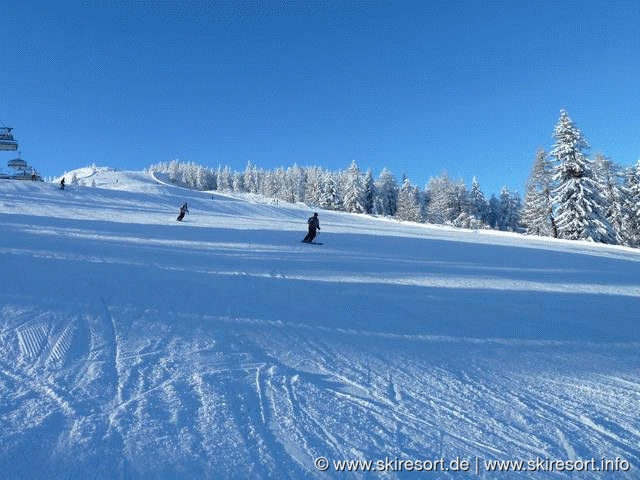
[
  {"x": 62, "y": 184},
  {"x": 314, "y": 224},
  {"x": 183, "y": 210}
]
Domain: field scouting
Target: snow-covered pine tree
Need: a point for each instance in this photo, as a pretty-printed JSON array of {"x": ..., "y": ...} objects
[
  {"x": 283, "y": 186},
  {"x": 269, "y": 185},
  {"x": 408, "y": 206},
  {"x": 173, "y": 170},
  {"x": 353, "y": 190},
  {"x": 331, "y": 196},
  {"x": 313, "y": 185},
  {"x": 181, "y": 173},
  {"x": 238, "y": 182},
  {"x": 442, "y": 200},
  {"x": 369, "y": 193},
  {"x": 228, "y": 178},
  {"x": 537, "y": 214},
  {"x": 189, "y": 174},
  {"x": 631, "y": 207},
  {"x": 251, "y": 178},
  {"x": 386, "y": 193},
  {"x": 508, "y": 210},
  {"x": 213, "y": 179},
  {"x": 424, "y": 199},
  {"x": 479, "y": 204},
  {"x": 493, "y": 212},
  {"x": 225, "y": 179},
  {"x": 578, "y": 204},
  {"x": 260, "y": 179},
  {"x": 515, "y": 212},
  {"x": 157, "y": 167},
  {"x": 610, "y": 177},
  {"x": 449, "y": 203},
  {"x": 461, "y": 207},
  {"x": 204, "y": 179},
  {"x": 297, "y": 181},
  {"x": 218, "y": 178},
  {"x": 420, "y": 203}
]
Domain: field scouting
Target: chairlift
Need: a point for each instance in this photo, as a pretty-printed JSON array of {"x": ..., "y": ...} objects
[
  {"x": 22, "y": 170},
  {"x": 17, "y": 163},
  {"x": 7, "y": 142}
]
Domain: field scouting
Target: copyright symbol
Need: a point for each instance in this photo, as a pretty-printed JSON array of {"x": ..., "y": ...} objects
[{"x": 322, "y": 464}]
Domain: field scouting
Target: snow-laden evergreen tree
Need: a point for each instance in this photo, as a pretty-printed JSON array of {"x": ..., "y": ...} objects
[
  {"x": 437, "y": 190},
  {"x": 537, "y": 215},
  {"x": 238, "y": 182},
  {"x": 283, "y": 185},
  {"x": 189, "y": 172},
  {"x": 296, "y": 180},
  {"x": 269, "y": 185},
  {"x": 408, "y": 203},
  {"x": 158, "y": 167},
  {"x": 515, "y": 212},
  {"x": 419, "y": 206},
  {"x": 174, "y": 170},
  {"x": 450, "y": 203},
  {"x": 578, "y": 204},
  {"x": 479, "y": 204},
  {"x": 424, "y": 199},
  {"x": 260, "y": 179},
  {"x": 353, "y": 191},
  {"x": 213, "y": 179},
  {"x": 386, "y": 193},
  {"x": 251, "y": 178},
  {"x": 314, "y": 185},
  {"x": 442, "y": 206},
  {"x": 508, "y": 210},
  {"x": 204, "y": 179},
  {"x": 631, "y": 207},
  {"x": 610, "y": 177},
  {"x": 369, "y": 193},
  {"x": 331, "y": 195},
  {"x": 225, "y": 179},
  {"x": 493, "y": 212},
  {"x": 461, "y": 207}
]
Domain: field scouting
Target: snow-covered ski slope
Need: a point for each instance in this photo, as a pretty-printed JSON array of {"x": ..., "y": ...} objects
[{"x": 135, "y": 346}]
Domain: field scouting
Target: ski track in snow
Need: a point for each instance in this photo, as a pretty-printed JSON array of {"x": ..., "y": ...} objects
[{"x": 132, "y": 346}]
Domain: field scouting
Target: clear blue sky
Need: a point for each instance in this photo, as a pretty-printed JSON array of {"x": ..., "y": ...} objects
[{"x": 473, "y": 88}]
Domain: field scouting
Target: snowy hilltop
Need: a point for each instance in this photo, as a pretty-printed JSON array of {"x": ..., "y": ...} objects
[{"x": 135, "y": 346}]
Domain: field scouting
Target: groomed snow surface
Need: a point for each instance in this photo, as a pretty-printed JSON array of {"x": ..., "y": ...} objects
[{"x": 133, "y": 346}]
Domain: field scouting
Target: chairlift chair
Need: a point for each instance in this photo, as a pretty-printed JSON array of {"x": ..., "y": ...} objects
[{"x": 7, "y": 142}]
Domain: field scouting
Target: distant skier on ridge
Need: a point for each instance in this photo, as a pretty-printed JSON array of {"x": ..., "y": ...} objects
[
  {"x": 183, "y": 209},
  {"x": 314, "y": 224}
]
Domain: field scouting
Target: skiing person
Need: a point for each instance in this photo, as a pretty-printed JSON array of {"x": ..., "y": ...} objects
[
  {"x": 314, "y": 224},
  {"x": 183, "y": 210},
  {"x": 62, "y": 184}
]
